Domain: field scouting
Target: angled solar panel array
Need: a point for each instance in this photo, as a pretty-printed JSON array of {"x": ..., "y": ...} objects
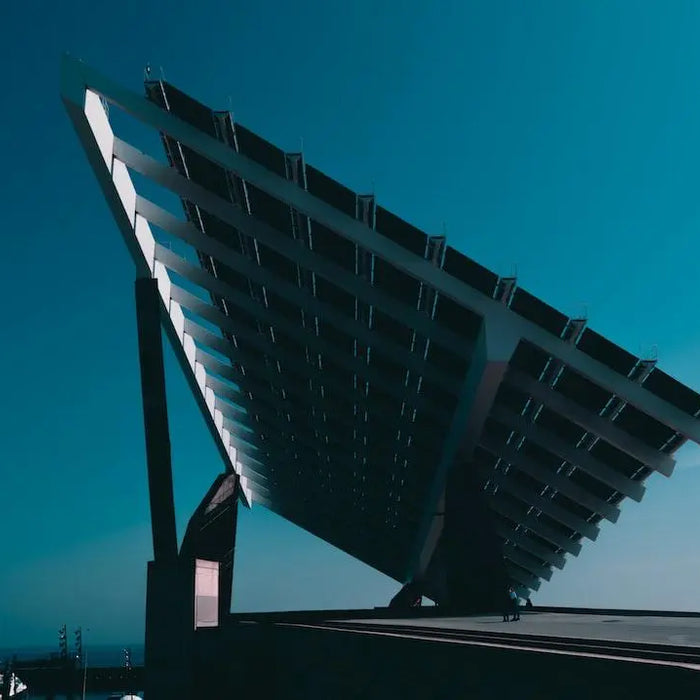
[
  {"x": 344, "y": 403},
  {"x": 335, "y": 372}
]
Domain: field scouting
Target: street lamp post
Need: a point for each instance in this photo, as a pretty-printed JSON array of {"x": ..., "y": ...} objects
[{"x": 85, "y": 666}]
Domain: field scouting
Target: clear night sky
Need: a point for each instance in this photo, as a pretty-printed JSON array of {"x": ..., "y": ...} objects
[{"x": 561, "y": 138}]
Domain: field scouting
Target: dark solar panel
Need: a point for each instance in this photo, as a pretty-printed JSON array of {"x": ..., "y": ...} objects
[
  {"x": 591, "y": 484},
  {"x": 259, "y": 383},
  {"x": 521, "y": 571},
  {"x": 642, "y": 474},
  {"x": 457, "y": 318},
  {"x": 333, "y": 247},
  {"x": 400, "y": 232},
  {"x": 671, "y": 390},
  {"x": 542, "y": 542},
  {"x": 340, "y": 375},
  {"x": 260, "y": 150},
  {"x": 283, "y": 308},
  {"x": 503, "y": 521},
  {"x": 557, "y": 526},
  {"x": 385, "y": 408},
  {"x": 524, "y": 480},
  {"x": 336, "y": 297},
  {"x": 537, "y": 311},
  {"x": 607, "y": 352},
  {"x": 560, "y": 426},
  {"x": 447, "y": 361},
  {"x": 484, "y": 458},
  {"x": 513, "y": 502},
  {"x": 322, "y": 445},
  {"x": 386, "y": 325},
  {"x": 438, "y": 396},
  {"x": 572, "y": 506},
  {"x": 428, "y": 435},
  {"x": 643, "y": 426},
  {"x": 242, "y": 319},
  {"x": 330, "y": 191},
  {"x": 497, "y": 431},
  {"x": 232, "y": 278},
  {"x": 511, "y": 398},
  {"x": 270, "y": 210},
  {"x": 217, "y": 229},
  {"x": 182, "y": 105},
  {"x": 583, "y": 391},
  {"x": 529, "y": 556},
  {"x": 282, "y": 267},
  {"x": 205, "y": 173},
  {"x": 529, "y": 359},
  {"x": 339, "y": 339},
  {"x": 618, "y": 460},
  {"x": 394, "y": 371},
  {"x": 382, "y": 439},
  {"x": 674, "y": 443},
  {"x": 469, "y": 271},
  {"x": 290, "y": 346},
  {"x": 542, "y": 457},
  {"x": 395, "y": 282}
]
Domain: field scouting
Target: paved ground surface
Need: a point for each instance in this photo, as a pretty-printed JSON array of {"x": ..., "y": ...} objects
[{"x": 677, "y": 631}]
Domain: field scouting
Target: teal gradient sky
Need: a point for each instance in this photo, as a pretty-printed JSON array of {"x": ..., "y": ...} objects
[{"x": 560, "y": 139}]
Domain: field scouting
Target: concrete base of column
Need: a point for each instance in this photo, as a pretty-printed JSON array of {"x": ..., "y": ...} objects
[
  {"x": 169, "y": 630},
  {"x": 467, "y": 572}
]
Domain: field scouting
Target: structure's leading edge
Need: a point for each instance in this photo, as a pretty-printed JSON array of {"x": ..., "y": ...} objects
[{"x": 363, "y": 379}]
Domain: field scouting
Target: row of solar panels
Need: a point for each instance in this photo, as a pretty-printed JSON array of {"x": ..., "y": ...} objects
[
  {"x": 318, "y": 472},
  {"x": 406, "y": 235},
  {"x": 372, "y": 487},
  {"x": 584, "y": 391}
]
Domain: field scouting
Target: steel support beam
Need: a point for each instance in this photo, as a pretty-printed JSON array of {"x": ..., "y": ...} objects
[
  {"x": 338, "y": 449},
  {"x": 155, "y": 419},
  {"x": 76, "y": 77},
  {"x": 168, "y": 598},
  {"x": 92, "y": 126},
  {"x": 604, "y": 428},
  {"x": 492, "y": 352},
  {"x": 267, "y": 405},
  {"x": 526, "y": 579},
  {"x": 268, "y": 408},
  {"x": 248, "y": 224},
  {"x": 305, "y": 371},
  {"x": 548, "y": 477},
  {"x": 583, "y": 459},
  {"x": 295, "y": 331},
  {"x": 519, "y": 538},
  {"x": 528, "y": 562},
  {"x": 301, "y": 393},
  {"x": 531, "y": 522},
  {"x": 546, "y": 505}
]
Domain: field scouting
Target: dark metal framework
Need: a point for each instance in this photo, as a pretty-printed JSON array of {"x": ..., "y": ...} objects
[
  {"x": 347, "y": 363},
  {"x": 190, "y": 586}
]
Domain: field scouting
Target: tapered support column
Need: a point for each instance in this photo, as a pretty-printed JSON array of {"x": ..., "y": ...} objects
[
  {"x": 475, "y": 577},
  {"x": 492, "y": 352},
  {"x": 169, "y": 630},
  {"x": 155, "y": 420},
  {"x": 169, "y": 591}
]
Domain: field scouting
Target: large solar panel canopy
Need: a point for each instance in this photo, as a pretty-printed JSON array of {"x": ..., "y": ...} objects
[{"x": 346, "y": 361}]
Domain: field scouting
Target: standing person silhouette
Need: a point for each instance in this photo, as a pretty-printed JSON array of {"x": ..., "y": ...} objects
[
  {"x": 507, "y": 604},
  {"x": 515, "y": 607}
]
